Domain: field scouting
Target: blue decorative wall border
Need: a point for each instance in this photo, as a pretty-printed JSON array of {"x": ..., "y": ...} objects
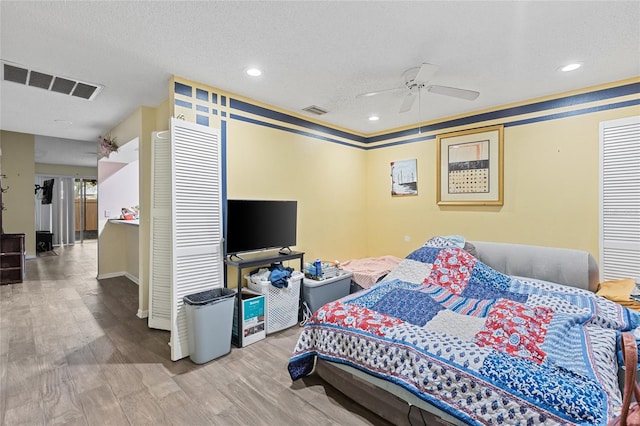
[
  {"x": 288, "y": 129},
  {"x": 329, "y": 134},
  {"x": 290, "y": 119},
  {"x": 567, "y": 101}
]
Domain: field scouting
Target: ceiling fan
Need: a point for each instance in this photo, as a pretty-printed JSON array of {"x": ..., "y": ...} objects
[{"x": 416, "y": 79}]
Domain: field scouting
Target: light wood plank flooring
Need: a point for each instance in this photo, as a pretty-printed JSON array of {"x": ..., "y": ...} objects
[{"x": 72, "y": 351}]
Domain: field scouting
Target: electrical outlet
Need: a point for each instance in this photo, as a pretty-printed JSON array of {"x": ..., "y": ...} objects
[{"x": 107, "y": 213}]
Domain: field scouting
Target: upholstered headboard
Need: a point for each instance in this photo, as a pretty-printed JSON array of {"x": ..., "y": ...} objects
[{"x": 575, "y": 268}]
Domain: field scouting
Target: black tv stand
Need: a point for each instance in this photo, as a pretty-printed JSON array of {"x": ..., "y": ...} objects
[
  {"x": 231, "y": 256},
  {"x": 249, "y": 262}
]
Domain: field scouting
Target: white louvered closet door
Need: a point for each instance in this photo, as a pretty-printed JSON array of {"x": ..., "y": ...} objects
[
  {"x": 161, "y": 243},
  {"x": 186, "y": 225},
  {"x": 197, "y": 263},
  {"x": 620, "y": 199}
]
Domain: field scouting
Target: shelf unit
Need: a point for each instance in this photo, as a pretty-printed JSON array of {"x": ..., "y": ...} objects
[
  {"x": 12, "y": 255},
  {"x": 259, "y": 260}
]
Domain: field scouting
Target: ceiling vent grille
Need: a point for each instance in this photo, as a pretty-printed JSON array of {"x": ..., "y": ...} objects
[
  {"x": 313, "y": 109},
  {"x": 50, "y": 82}
]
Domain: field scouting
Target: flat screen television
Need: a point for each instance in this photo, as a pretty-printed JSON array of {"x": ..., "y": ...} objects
[
  {"x": 47, "y": 191},
  {"x": 254, "y": 225}
]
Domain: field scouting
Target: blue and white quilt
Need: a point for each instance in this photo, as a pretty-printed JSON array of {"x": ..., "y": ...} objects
[{"x": 480, "y": 345}]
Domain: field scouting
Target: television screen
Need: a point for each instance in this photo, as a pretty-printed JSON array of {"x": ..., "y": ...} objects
[
  {"x": 254, "y": 225},
  {"x": 47, "y": 191}
]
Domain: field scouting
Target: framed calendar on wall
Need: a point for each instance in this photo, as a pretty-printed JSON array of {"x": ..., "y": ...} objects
[{"x": 469, "y": 169}]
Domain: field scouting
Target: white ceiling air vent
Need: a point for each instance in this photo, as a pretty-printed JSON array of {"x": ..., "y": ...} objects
[
  {"x": 50, "y": 82},
  {"x": 313, "y": 109}
]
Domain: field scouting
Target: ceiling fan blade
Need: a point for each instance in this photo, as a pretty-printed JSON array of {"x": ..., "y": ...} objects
[
  {"x": 425, "y": 72},
  {"x": 380, "y": 92},
  {"x": 469, "y": 95},
  {"x": 408, "y": 101}
]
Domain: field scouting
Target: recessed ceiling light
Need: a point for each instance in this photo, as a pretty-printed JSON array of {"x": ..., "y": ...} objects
[
  {"x": 374, "y": 118},
  {"x": 571, "y": 67},
  {"x": 254, "y": 72}
]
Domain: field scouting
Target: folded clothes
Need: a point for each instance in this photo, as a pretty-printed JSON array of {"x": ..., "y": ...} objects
[
  {"x": 623, "y": 292},
  {"x": 367, "y": 271}
]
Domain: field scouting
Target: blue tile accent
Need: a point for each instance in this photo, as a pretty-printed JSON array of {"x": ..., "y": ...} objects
[
  {"x": 223, "y": 100},
  {"x": 214, "y": 98},
  {"x": 202, "y": 108},
  {"x": 223, "y": 113},
  {"x": 264, "y": 112},
  {"x": 202, "y": 119},
  {"x": 183, "y": 104},
  {"x": 202, "y": 95},
  {"x": 183, "y": 89}
]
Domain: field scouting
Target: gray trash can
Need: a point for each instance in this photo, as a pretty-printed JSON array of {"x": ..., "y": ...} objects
[{"x": 209, "y": 323}]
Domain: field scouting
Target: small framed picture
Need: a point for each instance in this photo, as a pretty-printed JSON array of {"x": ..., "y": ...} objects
[{"x": 404, "y": 178}]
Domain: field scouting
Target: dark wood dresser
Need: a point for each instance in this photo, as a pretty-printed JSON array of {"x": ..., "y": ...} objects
[{"x": 12, "y": 255}]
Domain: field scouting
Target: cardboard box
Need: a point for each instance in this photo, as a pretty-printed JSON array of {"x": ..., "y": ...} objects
[{"x": 253, "y": 308}]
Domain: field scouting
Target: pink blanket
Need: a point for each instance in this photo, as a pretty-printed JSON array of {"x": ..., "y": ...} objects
[{"x": 367, "y": 271}]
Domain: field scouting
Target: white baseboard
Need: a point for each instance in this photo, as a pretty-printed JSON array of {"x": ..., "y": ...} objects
[
  {"x": 132, "y": 278},
  {"x": 119, "y": 274},
  {"x": 142, "y": 314},
  {"x": 109, "y": 275}
]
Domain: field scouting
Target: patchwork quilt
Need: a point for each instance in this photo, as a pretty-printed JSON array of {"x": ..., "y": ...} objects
[{"x": 482, "y": 346}]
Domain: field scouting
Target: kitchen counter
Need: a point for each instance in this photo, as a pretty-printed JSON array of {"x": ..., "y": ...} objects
[{"x": 134, "y": 222}]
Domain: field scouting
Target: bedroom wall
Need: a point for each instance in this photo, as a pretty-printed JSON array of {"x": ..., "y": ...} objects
[
  {"x": 326, "y": 179},
  {"x": 278, "y": 155},
  {"x": 342, "y": 182},
  {"x": 551, "y": 189}
]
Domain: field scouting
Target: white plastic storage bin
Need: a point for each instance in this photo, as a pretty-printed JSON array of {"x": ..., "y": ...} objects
[
  {"x": 318, "y": 293},
  {"x": 282, "y": 303}
]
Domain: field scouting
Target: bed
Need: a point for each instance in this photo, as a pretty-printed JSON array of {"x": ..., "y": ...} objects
[{"x": 511, "y": 335}]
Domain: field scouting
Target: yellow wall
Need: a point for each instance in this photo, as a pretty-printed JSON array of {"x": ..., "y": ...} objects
[
  {"x": 326, "y": 179},
  {"x": 551, "y": 191},
  {"x": 18, "y": 152}
]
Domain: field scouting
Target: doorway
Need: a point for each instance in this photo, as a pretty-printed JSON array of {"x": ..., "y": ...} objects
[{"x": 86, "y": 209}]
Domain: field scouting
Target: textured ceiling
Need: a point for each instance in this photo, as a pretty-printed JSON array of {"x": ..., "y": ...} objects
[{"x": 312, "y": 53}]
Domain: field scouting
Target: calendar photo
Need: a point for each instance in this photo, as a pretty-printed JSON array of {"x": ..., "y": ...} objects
[{"x": 470, "y": 167}]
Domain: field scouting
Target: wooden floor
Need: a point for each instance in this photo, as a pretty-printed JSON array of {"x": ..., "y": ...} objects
[{"x": 72, "y": 351}]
